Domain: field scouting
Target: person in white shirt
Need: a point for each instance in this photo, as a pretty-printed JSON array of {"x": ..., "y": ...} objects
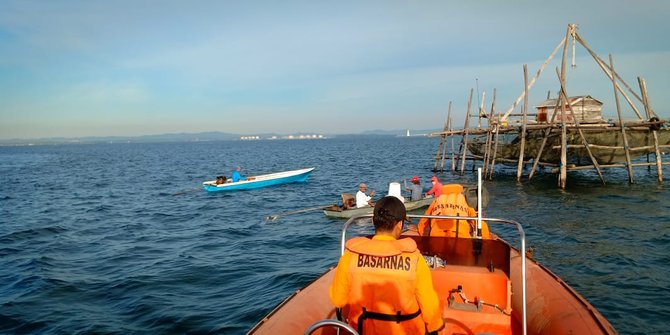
[{"x": 362, "y": 199}]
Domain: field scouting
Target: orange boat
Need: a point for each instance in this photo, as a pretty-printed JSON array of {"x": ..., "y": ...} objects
[{"x": 485, "y": 286}]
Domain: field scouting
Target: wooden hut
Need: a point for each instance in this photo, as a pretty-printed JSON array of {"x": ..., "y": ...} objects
[{"x": 584, "y": 108}]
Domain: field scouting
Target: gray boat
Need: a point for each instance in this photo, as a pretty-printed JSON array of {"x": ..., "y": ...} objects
[{"x": 336, "y": 211}]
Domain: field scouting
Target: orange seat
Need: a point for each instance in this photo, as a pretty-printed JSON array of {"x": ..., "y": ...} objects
[{"x": 477, "y": 283}]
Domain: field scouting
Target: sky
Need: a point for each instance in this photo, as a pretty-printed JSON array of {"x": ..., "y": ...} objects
[{"x": 75, "y": 68}]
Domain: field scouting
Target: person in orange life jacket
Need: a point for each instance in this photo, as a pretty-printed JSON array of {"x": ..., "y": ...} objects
[
  {"x": 452, "y": 202},
  {"x": 436, "y": 190},
  {"x": 382, "y": 284}
]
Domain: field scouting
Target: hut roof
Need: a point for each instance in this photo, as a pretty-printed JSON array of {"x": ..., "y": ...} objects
[{"x": 550, "y": 103}]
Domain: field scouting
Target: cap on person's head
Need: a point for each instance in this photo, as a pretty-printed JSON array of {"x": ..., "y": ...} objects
[
  {"x": 433, "y": 178},
  {"x": 362, "y": 185},
  {"x": 415, "y": 179},
  {"x": 390, "y": 207}
]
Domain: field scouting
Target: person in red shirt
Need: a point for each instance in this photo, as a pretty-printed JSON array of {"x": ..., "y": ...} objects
[{"x": 436, "y": 191}]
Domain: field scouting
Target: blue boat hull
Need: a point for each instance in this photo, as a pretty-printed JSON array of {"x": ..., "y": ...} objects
[{"x": 298, "y": 176}]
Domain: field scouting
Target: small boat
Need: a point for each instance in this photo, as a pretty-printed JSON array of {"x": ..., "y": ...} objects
[
  {"x": 336, "y": 211},
  {"x": 484, "y": 285},
  {"x": 253, "y": 182}
]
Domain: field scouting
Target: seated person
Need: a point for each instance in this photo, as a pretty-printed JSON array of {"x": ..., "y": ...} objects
[
  {"x": 451, "y": 203},
  {"x": 383, "y": 284},
  {"x": 237, "y": 176},
  {"x": 348, "y": 201},
  {"x": 220, "y": 180},
  {"x": 362, "y": 199},
  {"x": 415, "y": 189},
  {"x": 436, "y": 190}
]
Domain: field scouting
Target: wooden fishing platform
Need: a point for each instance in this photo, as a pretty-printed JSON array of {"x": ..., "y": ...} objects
[{"x": 567, "y": 133}]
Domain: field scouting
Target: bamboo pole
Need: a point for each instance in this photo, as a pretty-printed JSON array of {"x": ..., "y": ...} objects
[
  {"x": 589, "y": 167},
  {"x": 532, "y": 81},
  {"x": 495, "y": 149},
  {"x": 464, "y": 140},
  {"x": 487, "y": 150},
  {"x": 650, "y": 112},
  {"x": 453, "y": 162},
  {"x": 611, "y": 74},
  {"x": 439, "y": 154},
  {"x": 481, "y": 109},
  {"x": 614, "y": 126},
  {"x": 564, "y": 154},
  {"x": 522, "y": 146},
  {"x": 596, "y": 146},
  {"x": 447, "y": 127},
  {"x": 623, "y": 128},
  {"x": 603, "y": 64},
  {"x": 489, "y": 135},
  {"x": 562, "y": 181},
  {"x": 547, "y": 131},
  {"x": 581, "y": 134}
]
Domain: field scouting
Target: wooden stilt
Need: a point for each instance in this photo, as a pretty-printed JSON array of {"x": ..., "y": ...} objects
[
  {"x": 547, "y": 131},
  {"x": 579, "y": 129},
  {"x": 489, "y": 135},
  {"x": 495, "y": 149},
  {"x": 439, "y": 154},
  {"x": 480, "y": 112},
  {"x": 522, "y": 145},
  {"x": 447, "y": 127},
  {"x": 650, "y": 113},
  {"x": 464, "y": 141},
  {"x": 623, "y": 127},
  {"x": 562, "y": 181},
  {"x": 453, "y": 161},
  {"x": 564, "y": 153}
]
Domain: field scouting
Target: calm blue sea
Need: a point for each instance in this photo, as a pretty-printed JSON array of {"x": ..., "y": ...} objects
[{"x": 120, "y": 238}]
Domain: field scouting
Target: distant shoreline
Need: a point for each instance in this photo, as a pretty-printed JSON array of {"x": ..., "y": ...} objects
[{"x": 197, "y": 137}]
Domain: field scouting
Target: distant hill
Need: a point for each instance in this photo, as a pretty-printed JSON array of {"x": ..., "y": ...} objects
[
  {"x": 188, "y": 137},
  {"x": 177, "y": 137}
]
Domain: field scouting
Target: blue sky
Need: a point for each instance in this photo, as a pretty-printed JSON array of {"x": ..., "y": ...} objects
[{"x": 98, "y": 68}]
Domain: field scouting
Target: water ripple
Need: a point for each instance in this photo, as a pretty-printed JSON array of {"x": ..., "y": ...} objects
[{"x": 122, "y": 239}]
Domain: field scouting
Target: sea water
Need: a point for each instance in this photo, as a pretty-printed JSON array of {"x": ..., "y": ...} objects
[{"x": 121, "y": 237}]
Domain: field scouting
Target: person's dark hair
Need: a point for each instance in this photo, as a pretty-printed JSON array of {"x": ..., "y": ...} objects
[{"x": 388, "y": 211}]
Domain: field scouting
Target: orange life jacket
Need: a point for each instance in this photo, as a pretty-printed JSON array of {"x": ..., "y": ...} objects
[
  {"x": 383, "y": 286},
  {"x": 452, "y": 202}
]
